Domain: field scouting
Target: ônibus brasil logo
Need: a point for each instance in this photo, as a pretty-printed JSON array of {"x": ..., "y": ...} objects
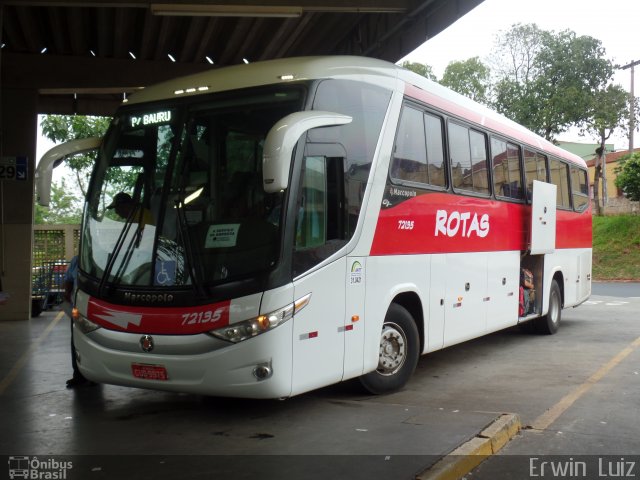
[{"x": 34, "y": 468}]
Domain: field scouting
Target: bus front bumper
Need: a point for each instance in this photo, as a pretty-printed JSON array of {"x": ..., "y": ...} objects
[{"x": 259, "y": 367}]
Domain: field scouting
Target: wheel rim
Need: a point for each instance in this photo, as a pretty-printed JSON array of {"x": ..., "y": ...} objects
[{"x": 393, "y": 349}]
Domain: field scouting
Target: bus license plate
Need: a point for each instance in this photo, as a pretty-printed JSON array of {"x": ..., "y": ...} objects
[{"x": 149, "y": 372}]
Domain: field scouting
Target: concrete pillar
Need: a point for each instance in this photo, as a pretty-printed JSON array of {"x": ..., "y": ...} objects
[{"x": 18, "y": 130}]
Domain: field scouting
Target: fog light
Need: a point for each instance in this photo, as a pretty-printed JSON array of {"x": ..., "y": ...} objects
[{"x": 262, "y": 372}]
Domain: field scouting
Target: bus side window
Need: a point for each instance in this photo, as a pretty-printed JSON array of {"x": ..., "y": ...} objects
[
  {"x": 506, "y": 169},
  {"x": 410, "y": 153},
  {"x": 320, "y": 221},
  {"x": 468, "y": 153},
  {"x": 580, "y": 189},
  {"x": 560, "y": 178},
  {"x": 535, "y": 168},
  {"x": 418, "y": 153}
]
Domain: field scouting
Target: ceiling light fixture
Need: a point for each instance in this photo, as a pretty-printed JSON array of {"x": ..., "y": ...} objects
[
  {"x": 132, "y": 55},
  {"x": 171, "y": 57},
  {"x": 203, "y": 10}
]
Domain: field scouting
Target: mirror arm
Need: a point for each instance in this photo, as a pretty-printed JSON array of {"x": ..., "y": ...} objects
[{"x": 282, "y": 139}]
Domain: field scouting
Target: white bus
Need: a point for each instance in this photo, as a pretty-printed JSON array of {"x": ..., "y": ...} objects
[{"x": 299, "y": 222}]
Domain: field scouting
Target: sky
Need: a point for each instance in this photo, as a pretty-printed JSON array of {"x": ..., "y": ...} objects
[{"x": 611, "y": 22}]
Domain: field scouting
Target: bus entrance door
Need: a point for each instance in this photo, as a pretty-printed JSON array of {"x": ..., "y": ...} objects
[{"x": 318, "y": 337}]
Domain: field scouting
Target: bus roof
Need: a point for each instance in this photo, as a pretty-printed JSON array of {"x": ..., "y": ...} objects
[
  {"x": 270, "y": 72},
  {"x": 362, "y": 68}
]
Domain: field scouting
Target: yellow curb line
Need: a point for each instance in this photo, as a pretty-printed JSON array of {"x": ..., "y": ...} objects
[
  {"x": 472, "y": 453},
  {"x": 545, "y": 420}
]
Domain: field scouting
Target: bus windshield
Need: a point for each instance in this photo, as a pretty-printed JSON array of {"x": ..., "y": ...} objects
[{"x": 176, "y": 197}]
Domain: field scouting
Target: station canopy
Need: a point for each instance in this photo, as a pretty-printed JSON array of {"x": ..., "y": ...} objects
[{"x": 83, "y": 57}]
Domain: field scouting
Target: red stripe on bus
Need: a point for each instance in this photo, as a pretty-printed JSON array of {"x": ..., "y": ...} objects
[
  {"x": 159, "y": 320},
  {"x": 445, "y": 223}
]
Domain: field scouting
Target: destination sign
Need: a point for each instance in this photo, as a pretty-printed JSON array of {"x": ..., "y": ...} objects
[{"x": 153, "y": 118}]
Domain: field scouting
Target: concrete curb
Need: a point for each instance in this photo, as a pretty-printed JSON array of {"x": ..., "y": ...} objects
[{"x": 472, "y": 453}]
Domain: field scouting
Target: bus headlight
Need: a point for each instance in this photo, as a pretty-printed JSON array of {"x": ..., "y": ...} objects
[
  {"x": 263, "y": 323},
  {"x": 85, "y": 325}
]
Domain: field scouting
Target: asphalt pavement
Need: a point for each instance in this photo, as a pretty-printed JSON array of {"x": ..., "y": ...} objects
[{"x": 575, "y": 392}]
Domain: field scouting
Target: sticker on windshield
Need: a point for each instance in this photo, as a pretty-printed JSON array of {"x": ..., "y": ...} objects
[
  {"x": 221, "y": 236},
  {"x": 165, "y": 272}
]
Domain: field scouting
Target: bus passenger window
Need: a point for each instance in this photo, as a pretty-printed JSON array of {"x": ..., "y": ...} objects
[
  {"x": 560, "y": 178},
  {"x": 435, "y": 151},
  {"x": 506, "y": 169},
  {"x": 535, "y": 168},
  {"x": 410, "y": 153},
  {"x": 580, "y": 189},
  {"x": 468, "y": 153},
  {"x": 418, "y": 155}
]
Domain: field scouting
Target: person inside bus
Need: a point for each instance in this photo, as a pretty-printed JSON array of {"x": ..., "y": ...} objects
[
  {"x": 124, "y": 206},
  {"x": 70, "y": 280}
]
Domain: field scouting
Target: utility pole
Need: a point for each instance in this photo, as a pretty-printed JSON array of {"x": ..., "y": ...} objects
[{"x": 632, "y": 102}]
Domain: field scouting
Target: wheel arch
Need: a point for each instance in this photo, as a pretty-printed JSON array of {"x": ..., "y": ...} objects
[
  {"x": 559, "y": 278},
  {"x": 412, "y": 303}
]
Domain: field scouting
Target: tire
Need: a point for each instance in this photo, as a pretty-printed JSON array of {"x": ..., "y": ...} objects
[
  {"x": 399, "y": 352},
  {"x": 549, "y": 324}
]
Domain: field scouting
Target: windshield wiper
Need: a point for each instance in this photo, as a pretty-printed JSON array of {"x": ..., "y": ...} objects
[
  {"x": 185, "y": 236},
  {"x": 135, "y": 239}
]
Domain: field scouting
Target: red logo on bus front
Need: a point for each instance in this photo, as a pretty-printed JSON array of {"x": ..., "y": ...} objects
[{"x": 161, "y": 320}]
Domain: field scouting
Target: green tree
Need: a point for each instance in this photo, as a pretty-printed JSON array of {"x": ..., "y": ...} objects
[
  {"x": 469, "y": 78},
  {"x": 62, "y": 128},
  {"x": 552, "y": 80},
  {"x": 628, "y": 176},
  {"x": 608, "y": 113},
  {"x": 64, "y": 207},
  {"x": 515, "y": 51},
  {"x": 421, "y": 69}
]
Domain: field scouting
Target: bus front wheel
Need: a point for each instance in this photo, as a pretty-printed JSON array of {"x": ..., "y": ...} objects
[
  {"x": 549, "y": 324},
  {"x": 398, "y": 354}
]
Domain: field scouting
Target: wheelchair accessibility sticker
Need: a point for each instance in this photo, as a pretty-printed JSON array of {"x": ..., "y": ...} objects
[{"x": 165, "y": 272}]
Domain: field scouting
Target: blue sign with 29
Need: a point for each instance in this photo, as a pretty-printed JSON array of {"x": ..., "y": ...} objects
[{"x": 13, "y": 168}]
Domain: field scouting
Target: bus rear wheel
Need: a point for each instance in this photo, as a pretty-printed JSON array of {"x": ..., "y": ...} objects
[
  {"x": 398, "y": 354},
  {"x": 549, "y": 324}
]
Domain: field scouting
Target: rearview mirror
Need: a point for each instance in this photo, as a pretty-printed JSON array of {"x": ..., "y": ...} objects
[
  {"x": 282, "y": 139},
  {"x": 53, "y": 158}
]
